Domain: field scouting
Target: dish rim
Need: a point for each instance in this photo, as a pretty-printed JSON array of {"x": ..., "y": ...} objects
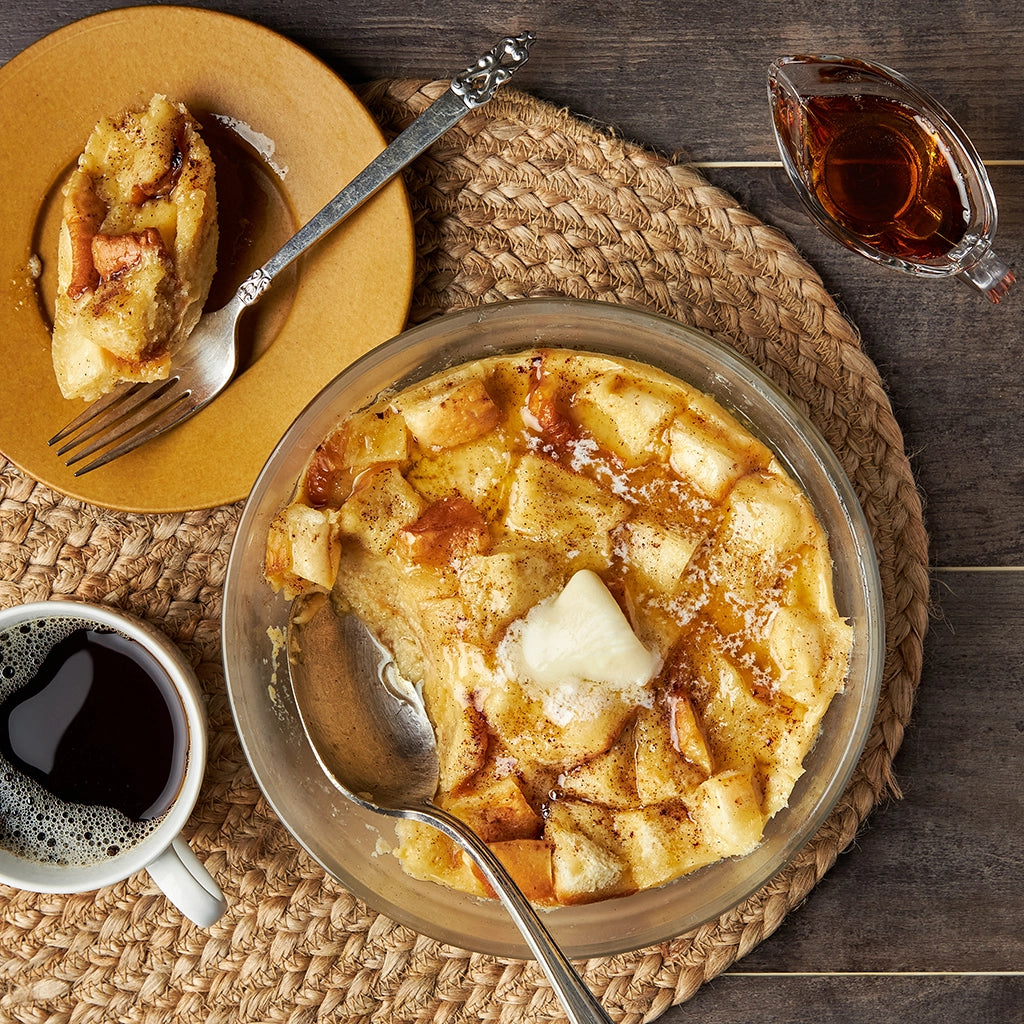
[{"x": 574, "y": 927}]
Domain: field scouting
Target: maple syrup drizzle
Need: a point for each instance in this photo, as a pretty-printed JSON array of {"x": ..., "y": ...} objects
[{"x": 883, "y": 173}]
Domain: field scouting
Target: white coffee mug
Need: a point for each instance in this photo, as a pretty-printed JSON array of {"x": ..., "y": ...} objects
[{"x": 161, "y": 850}]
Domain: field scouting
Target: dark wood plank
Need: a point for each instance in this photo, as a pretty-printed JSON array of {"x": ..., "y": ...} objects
[
  {"x": 677, "y": 77},
  {"x": 855, "y": 999}
]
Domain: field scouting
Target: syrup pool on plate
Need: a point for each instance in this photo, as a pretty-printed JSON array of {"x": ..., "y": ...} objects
[{"x": 255, "y": 219}]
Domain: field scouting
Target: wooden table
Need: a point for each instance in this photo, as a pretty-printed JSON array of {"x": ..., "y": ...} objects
[{"x": 923, "y": 920}]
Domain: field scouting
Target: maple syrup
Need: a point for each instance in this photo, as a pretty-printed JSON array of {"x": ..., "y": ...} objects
[
  {"x": 881, "y": 171},
  {"x": 885, "y": 170},
  {"x": 254, "y": 220}
]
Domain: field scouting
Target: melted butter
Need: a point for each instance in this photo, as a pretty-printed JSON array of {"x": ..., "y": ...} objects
[{"x": 551, "y": 652}]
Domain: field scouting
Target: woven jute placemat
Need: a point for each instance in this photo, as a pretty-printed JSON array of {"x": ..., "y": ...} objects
[{"x": 520, "y": 200}]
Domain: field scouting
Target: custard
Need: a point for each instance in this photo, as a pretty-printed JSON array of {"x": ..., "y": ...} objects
[{"x": 617, "y": 605}]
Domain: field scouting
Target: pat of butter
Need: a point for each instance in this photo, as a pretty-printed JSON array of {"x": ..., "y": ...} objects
[{"x": 575, "y": 651}]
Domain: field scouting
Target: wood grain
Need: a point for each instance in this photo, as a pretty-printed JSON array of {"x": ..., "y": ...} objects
[
  {"x": 687, "y": 76},
  {"x": 923, "y": 920}
]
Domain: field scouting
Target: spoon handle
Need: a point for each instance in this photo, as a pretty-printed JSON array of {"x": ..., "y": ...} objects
[
  {"x": 468, "y": 90},
  {"x": 580, "y": 1004}
]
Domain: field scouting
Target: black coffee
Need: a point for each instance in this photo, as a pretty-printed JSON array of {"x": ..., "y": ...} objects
[{"x": 94, "y": 738}]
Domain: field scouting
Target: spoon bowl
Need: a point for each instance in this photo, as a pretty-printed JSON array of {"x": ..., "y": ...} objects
[{"x": 367, "y": 726}]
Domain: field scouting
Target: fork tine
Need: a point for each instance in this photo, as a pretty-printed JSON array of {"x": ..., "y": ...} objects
[
  {"x": 107, "y": 411},
  {"x": 126, "y": 426},
  {"x": 142, "y": 427},
  {"x": 108, "y": 424},
  {"x": 87, "y": 415}
]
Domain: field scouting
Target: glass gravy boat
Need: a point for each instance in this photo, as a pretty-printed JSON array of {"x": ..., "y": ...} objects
[{"x": 885, "y": 170}]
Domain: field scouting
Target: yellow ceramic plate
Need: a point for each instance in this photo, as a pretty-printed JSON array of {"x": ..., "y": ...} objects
[{"x": 287, "y": 135}]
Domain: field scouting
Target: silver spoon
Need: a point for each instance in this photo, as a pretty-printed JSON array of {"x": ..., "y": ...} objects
[{"x": 371, "y": 735}]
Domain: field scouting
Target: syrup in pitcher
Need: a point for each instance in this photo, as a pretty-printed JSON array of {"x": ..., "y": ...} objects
[{"x": 884, "y": 170}]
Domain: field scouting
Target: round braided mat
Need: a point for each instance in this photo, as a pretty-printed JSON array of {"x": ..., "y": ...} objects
[{"x": 519, "y": 200}]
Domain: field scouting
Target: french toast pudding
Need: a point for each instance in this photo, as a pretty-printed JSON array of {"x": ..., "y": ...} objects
[
  {"x": 137, "y": 249},
  {"x": 616, "y": 604}
]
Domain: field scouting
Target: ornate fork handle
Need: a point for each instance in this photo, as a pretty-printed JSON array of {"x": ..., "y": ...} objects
[
  {"x": 478, "y": 83},
  {"x": 469, "y": 90}
]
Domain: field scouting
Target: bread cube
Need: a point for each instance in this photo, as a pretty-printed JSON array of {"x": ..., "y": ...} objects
[
  {"x": 709, "y": 463},
  {"x": 732, "y": 714},
  {"x": 502, "y": 586},
  {"x": 585, "y": 863},
  {"x": 447, "y": 531},
  {"x": 663, "y": 773},
  {"x": 660, "y": 843},
  {"x": 427, "y": 854},
  {"x": 461, "y": 739},
  {"x": 797, "y": 646},
  {"x": 303, "y": 550},
  {"x": 609, "y": 778},
  {"x": 382, "y": 504},
  {"x": 764, "y": 515},
  {"x": 496, "y": 810},
  {"x": 449, "y": 412},
  {"x": 530, "y": 863},
  {"x": 477, "y": 470},
  {"x": 728, "y": 810},
  {"x": 563, "y": 510},
  {"x": 623, "y": 416},
  {"x": 375, "y": 436},
  {"x": 660, "y": 554}
]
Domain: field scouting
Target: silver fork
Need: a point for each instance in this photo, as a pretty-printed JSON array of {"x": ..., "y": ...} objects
[{"x": 133, "y": 414}]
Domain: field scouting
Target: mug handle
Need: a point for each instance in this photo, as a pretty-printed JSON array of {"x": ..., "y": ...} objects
[{"x": 187, "y": 884}]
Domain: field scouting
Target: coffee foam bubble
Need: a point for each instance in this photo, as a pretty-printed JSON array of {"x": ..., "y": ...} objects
[{"x": 34, "y": 824}]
